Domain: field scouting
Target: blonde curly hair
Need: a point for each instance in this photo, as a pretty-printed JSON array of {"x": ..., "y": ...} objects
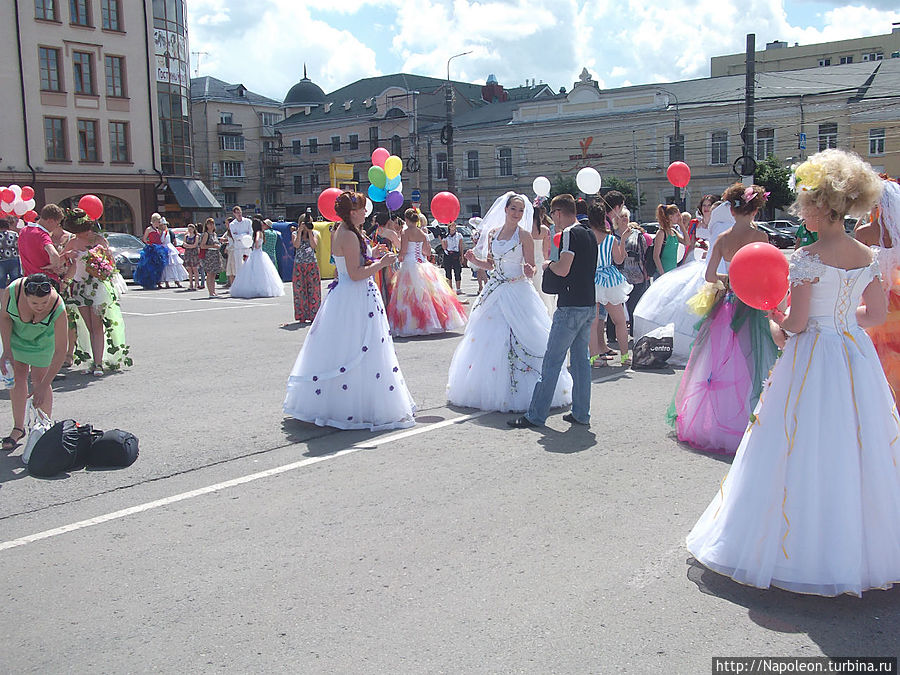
[{"x": 839, "y": 181}]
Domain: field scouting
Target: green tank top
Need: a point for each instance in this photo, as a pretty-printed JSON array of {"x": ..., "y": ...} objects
[
  {"x": 669, "y": 254},
  {"x": 32, "y": 343}
]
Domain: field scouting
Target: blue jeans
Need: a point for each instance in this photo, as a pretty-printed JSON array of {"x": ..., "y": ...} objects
[
  {"x": 570, "y": 332},
  {"x": 10, "y": 270}
]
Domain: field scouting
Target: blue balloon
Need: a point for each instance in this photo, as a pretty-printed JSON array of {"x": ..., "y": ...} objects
[
  {"x": 377, "y": 194},
  {"x": 392, "y": 183}
]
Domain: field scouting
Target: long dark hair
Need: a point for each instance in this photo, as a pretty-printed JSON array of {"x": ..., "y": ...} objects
[
  {"x": 346, "y": 202},
  {"x": 257, "y": 228}
]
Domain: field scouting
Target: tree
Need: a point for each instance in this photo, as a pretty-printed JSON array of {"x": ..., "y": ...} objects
[
  {"x": 626, "y": 189},
  {"x": 562, "y": 185},
  {"x": 774, "y": 178}
]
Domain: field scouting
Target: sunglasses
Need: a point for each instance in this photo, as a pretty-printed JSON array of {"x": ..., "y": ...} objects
[
  {"x": 38, "y": 288},
  {"x": 552, "y": 211}
]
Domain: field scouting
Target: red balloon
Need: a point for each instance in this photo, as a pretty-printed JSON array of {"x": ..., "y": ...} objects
[
  {"x": 8, "y": 196},
  {"x": 326, "y": 202},
  {"x": 445, "y": 207},
  {"x": 679, "y": 174},
  {"x": 30, "y": 216},
  {"x": 27, "y": 193},
  {"x": 557, "y": 239},
  {"x": 92, "y": 206},
  {"x": 758, "y": 274}
]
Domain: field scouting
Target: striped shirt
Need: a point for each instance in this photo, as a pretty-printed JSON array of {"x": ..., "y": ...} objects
[{"x": 607, "y": 275}]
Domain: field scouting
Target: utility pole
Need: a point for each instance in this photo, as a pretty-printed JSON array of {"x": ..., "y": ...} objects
[
  {"x": 197, "y": 67},
  {"x": 749, "y": 103},
  {"x": 430, "y": 175},
  {"x": 677, "y": 143},
  {"x": 447, "y": 134},
  {"x": 637, "y": 181}
]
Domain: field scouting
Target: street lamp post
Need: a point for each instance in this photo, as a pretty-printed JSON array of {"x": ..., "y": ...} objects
[
  {"x": 678, "y": 143},
  {"x": 448, "y": 129}
]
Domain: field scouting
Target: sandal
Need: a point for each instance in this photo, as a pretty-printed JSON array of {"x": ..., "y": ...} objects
[
  {"x": 598, "y": 361},
  {"x": 10, "y": 443},
  {"x": 97, "y": 371}
]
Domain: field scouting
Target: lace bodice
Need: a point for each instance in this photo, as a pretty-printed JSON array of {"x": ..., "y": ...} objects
[
  {"x": 508, "y": 257},
  {"x": 414, "y": 252},
  {"x": 836, "y": 292}
]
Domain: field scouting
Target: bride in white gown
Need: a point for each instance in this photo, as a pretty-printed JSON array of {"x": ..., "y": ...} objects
[
  {"x": 347, "y": 375},
  {"x": 257, "y": 277},
  {"x": 499, "y": 360},
  {"x": 812, "y": 501}
]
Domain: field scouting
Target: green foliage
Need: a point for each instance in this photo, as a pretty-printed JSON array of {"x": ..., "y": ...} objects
[
  {"x": 562, "y": 185},
  {"x": 774, "y": 178},
  {"x": 626, "y": 189}
]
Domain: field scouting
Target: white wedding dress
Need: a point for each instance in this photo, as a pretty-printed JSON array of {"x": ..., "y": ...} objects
[
  {"x": 498, "y": 362},
  {"x": 812, "y": 501},
  {"x": 538, "y": 278},
  {"x": 347, "y": 375},
  {"x": 257, "y": 278}
]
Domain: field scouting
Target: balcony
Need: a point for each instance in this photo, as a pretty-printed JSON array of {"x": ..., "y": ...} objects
[
  {"x": 232, "y": 181},
  {"x": 230, "y": 128}
]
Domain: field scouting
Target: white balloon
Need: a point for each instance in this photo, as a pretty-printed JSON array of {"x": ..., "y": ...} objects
[
  {"x": 369, "y": 207},
  {"x": 20, "y": 207},
  {"x": 17, "y": 190},
  {"x": 588, "y": 180},
  {"x": 399, "y": 188},
  {"x": 541, "y": 186},
  {"x": 29, "y": 204},
  {"x": 6, "y": 207},
  {"x": 21, "y": 223}
]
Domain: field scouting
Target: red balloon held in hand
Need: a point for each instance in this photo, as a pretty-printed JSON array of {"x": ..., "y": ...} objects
[
  {"x": 679, "y": 174},
  {"x": 445, "y": 207},
  {"x": 326, "y": 201},
  {"x": 557, "y": 238},
  {"x": 758, "y": 274},
  {"x": 92, "y": 206}
]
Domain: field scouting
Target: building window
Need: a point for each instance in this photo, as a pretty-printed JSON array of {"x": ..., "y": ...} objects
[
  {"x": 82, "y": 64},
  {"x": 472, "y": 168},
  {"x": 504, "y": 155},
  {"x": 109, "y": 15},
  {"x": 226, "y": 118},
  {"x": 373, "y": 138},
  {"x": 441, "y": 166},
  {"x": 55, "y": 139},
  {"x": 827, "y": 136},
  {"x": 115, "y": 76},
  {"x": 79, "y": 13},
  {"x": 765, "y": 143},
  {"x": 846, "y": 59},
  {"x": 719, "y": 148},
  {"x": 335, "y": 143},
  {"x": 313, "y": 146},
  {"x": 873, "y": 56},
  {"x": 232, "y": 169},
  {"x": 876, "y": 141},
  {"x": 296, "y": 147},
  {"x": 45, "y": 9},
  {"x": 230, "y": 142},
  {"x": 87, "y": 141},
  {"x": 298, "y": 185},
  {"x": 396, "y": 146},
  {"x": 314, "y": 183},
  {"x": 269, "y": 119},
  {"x": 49, "y": 62},
  {"x": 824, "y": 62},
  {"x": 676, "y": 148},
  {"x": 230, "y": 197},
  {"x": 118, "y": 142},
  {"x": 354, "y": 141}
]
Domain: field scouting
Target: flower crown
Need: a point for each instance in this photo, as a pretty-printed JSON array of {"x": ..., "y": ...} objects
[
  {"x": 806, "y": 177},
  {"x": 538, "y": 202},
  {"x": 748, "y": 196},
  {"x": 77, "y": 216}
]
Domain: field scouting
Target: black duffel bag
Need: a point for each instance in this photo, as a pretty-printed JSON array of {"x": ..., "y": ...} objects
[
  {"x": 113, "y": 448},
  {"x": 63, "y": 447}
]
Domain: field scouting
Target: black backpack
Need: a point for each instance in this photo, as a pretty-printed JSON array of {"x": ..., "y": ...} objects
[
  {"x": 114, "y": 448},
  {"x": 649, "y": 262},
  {"x": 63, "y": 447}
]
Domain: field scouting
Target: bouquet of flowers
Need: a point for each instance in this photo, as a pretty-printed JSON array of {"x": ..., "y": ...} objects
[{"x": 99, "y": 263}]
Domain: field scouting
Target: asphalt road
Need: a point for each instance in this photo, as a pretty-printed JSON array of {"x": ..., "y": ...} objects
[{"x": 242, "y": 541}]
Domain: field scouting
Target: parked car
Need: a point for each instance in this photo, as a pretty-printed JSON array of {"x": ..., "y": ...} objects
[
  {"x": 650, "y": 228},
  {"x": 437, "y": 232},
  {"x": 126, "y": 251},
  {"x": 784, "y": 226},
  {"x": 177, "y": 235},
  {"x": 776, "y": 237}
]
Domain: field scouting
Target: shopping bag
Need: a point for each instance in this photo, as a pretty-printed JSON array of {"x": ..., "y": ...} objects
[{"x": 36, "y": 424}]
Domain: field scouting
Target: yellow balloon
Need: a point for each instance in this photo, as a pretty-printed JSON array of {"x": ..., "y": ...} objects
[{"x": 393, "y": 165}]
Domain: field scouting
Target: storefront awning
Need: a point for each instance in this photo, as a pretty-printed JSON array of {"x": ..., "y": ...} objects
[{"x": 191, "y": 193}]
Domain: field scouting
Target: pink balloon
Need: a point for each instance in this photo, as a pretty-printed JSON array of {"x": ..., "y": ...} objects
[
  {"x": 27, "y": 192},
  {"x": 379, "y": 157}
]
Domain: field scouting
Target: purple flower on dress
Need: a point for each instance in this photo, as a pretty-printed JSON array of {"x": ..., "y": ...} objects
[
  {"x": 371, "y": 314},
  {"x": 318, "y": 391},
  {"x": 343, "y": 369},
  {"x": 391, "y": 387},
  {"x": 315, "y": 378},
  {"x": 344, "y": 387},
  {"x": 350, "y": 418},
  {"x": 377, "y": 376},
  {"x": 332, "y": 285},
  {"x": 396, "y": 369},
  {"x": 365, "y": 349}
]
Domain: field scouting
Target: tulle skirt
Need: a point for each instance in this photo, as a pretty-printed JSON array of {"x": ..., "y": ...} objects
[
  {"x": 347, "y": 375},
  {"x": 886, "y": 339},
  {"x": 666, "y": 302},
  {"x": 174, "y": 269},
  {"x": 257, "y": 278},
  {"x": 499, "y": 361},
  {"x": 731, "y": 358},
  {"x": 150, "y": 267},
  {"x": 812, "y": 501},
  {"x": 103, "y": 300},
  {"x": 422, "y": 302},
  {"x": 612, "y": 295}
]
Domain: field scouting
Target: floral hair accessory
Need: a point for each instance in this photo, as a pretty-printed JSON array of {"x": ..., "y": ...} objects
[
  {"x": 538, "y": 202},
  {"x": 806, "y": 177},
  {"x": 77, "y": 216}
]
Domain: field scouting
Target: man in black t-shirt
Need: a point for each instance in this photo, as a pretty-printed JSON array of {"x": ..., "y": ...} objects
[{"x": 572, "y": 319}]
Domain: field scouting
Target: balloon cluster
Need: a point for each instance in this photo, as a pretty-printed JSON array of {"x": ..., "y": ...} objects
[
  {"x": 384, "y": 176},
  {"x": 20, "y": 202}
]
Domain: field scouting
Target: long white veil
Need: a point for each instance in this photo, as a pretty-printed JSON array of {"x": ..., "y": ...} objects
[
  {"x": 495, "y": 218},
  {"x": 889, "y": 208}
]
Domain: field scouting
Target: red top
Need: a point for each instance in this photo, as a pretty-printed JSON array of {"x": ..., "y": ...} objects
[
  {"x": 154, "y": 237},
  {"x": 33, "y": 240}
]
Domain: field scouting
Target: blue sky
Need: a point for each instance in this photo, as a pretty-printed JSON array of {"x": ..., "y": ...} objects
[{"x": 264, "y": 44}]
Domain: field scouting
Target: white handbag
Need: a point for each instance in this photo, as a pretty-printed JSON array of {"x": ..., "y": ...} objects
[{"x": 36, "y": 423}]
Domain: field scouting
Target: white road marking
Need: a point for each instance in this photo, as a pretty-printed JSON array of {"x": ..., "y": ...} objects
[
  {"x": 201, "y": 309},
  {"x": 147, "y": 506}
]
